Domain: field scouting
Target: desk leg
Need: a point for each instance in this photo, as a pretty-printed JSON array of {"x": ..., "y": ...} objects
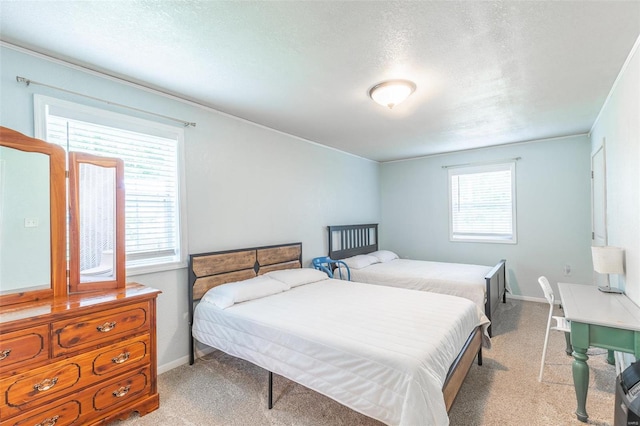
[
  {"x": 569, "y": 349},
  {"x": 611, "y": 360},
  {"x": 581, "y": 381}
]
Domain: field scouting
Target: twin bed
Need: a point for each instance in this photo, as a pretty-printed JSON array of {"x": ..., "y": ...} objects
[
  {"x": 394, "y": 355},
  {"x": 355, "y": 244}
]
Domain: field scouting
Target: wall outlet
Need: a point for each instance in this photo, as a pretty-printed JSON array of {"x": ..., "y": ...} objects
[
  {"x": 567, "y": 270},
  {"x": 31, "y": 222}
]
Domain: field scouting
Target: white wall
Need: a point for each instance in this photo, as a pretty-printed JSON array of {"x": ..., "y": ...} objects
[
  {"x": 246, "y": 185},
  {"x": 553, "y": 212},
  {"x": 619, "y": 124}
]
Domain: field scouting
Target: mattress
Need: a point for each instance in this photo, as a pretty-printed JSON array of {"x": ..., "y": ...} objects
[
  {"x": 456, "y": 279},
  {"x": 381, "y": 351}
]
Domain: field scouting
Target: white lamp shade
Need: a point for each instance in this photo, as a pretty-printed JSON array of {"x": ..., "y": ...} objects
[
  {"x": 391, "y": 93},
  {"x": 608, "y": 260}
]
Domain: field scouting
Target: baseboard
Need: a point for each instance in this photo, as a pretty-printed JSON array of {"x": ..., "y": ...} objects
[
  {"x": 530, "y": 299},
  {"x": 183, "y": 360},
  {"x": 173, "y": 364}
]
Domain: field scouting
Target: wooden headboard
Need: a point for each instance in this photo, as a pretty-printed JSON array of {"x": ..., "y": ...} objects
[
  {"x": 208, "y": 270},
  {"x": 350, "y": 240}
]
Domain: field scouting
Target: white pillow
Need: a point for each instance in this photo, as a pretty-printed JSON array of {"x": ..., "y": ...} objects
[
  {"x": 384, "y": 255},
  {"x": 226, "y": 295},
  {"x": 299, "y": 276},
  {"x": 360, "y": 261}
]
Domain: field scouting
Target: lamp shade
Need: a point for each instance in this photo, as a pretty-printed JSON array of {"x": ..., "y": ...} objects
[
  {"x": 608, "y": 260},
  {"x": 390, "y": 93}
]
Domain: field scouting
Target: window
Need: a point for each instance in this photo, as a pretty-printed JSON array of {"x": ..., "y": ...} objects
[
  {"x": 151, "y": 153},
  {"x": 482, "y": 205}
]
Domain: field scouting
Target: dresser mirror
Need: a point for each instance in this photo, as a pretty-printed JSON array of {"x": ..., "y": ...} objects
[
  {"x": 32, "y": 219},
  {"x": 97, "y": 228},
  {"x": 24, "y": 219}
]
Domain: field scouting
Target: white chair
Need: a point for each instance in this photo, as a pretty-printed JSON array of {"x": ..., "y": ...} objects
[{"x": 561, "y": 322}]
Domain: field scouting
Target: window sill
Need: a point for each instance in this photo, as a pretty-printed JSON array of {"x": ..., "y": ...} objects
[
  {"x": 158, "y": 267},
  {"x": 483, "y": 240}
]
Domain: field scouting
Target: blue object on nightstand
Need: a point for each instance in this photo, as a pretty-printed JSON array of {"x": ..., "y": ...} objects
[{"x": 326, "y": 265}]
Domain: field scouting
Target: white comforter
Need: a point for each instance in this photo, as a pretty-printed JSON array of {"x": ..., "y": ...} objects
[
  {"x": 456, "y": 279},
  {"x": 381, "y": 351}
]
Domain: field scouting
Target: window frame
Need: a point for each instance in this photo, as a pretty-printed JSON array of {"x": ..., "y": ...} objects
[
  {"x": 110, "y": 118},
  {"x": 483, "y": 168}
]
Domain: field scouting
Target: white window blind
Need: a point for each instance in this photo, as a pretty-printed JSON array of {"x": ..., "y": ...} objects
[
  {"x": 482, "y": 203},
  {"x": 151, "y": 173}
]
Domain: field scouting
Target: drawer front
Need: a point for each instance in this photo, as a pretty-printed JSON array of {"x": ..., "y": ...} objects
[
  {"x": 102, "y": 327},
  {"x": 28, "y": 345},
  {"x": 62, "y": 415},
  {"x": 122, "y": 391},
  {"x": 43, "y": 385},
  {"x": 123, "y": 356}
]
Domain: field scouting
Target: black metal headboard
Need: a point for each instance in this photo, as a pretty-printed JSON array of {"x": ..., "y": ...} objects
[{"x": 350, "y": 240}]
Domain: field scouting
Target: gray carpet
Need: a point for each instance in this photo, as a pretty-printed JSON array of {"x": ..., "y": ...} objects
[{"x": 222, "y": 390}]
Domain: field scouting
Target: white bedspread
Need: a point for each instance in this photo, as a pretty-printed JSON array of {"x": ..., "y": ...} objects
[
  {"x": 381, "y": 351},
  {"x": 456, "y": 279}
]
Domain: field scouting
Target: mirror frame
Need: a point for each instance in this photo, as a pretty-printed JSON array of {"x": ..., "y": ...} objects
[
  {"x": 57, "y": 220},
  {"x": 119, "y": 281}
]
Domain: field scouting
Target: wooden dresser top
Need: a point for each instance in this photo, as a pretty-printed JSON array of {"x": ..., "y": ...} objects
[{"x": 72, "y": 304}]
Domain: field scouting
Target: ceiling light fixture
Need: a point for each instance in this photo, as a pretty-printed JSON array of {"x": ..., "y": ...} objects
[{"x": 391, "y": 92}]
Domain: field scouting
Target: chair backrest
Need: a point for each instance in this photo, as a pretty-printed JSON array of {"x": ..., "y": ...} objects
[
  {"x": 323, "y": 264},
  {"x": 546, "y": 288},
  {"x": 327, "y": 265}
]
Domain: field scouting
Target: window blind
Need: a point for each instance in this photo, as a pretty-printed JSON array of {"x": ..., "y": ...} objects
[
  {"x": 482, "y": 203},
  {"x": 150, "y": 177}
]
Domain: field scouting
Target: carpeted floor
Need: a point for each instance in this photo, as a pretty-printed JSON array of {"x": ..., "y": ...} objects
[{"x": 221, "y": 390}]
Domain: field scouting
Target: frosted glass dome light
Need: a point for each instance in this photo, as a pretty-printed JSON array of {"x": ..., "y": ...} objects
[{"x": 392, "y": 92}]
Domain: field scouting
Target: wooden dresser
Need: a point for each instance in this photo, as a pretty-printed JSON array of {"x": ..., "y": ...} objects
[{"x": 82, "y": 359}]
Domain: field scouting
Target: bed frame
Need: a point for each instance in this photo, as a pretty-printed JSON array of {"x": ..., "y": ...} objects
[
  {"x": 207, "y": 270},
  {"x": 351, "y": 240}
]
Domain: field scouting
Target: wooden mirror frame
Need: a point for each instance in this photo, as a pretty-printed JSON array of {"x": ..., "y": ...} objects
[
  {"x": 57, "y": 198},
  {"x": 119, "y": 276}
]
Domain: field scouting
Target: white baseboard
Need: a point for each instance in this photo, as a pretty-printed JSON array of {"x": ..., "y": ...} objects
[
  {"x": 183, "y": 360},
  {"x": 529, "y": 298},
  {"x": 173, "y": 364}
]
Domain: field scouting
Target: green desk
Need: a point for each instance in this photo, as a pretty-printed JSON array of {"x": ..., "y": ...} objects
[{"x": 605, "y": 320}]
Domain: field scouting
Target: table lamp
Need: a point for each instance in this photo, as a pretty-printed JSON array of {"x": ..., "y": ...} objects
[{"x": 608, "y": 260}]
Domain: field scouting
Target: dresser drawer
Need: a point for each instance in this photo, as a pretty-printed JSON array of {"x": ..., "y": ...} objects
[
  {"x": 121, "y": 357},
  {"x": 99, "y": 328},
  {"x": 27, "y": 345},
  {"x": 41, "y": 385},
  {"x": 61, "y": 415},
  {"x": 122, "y": 391}
]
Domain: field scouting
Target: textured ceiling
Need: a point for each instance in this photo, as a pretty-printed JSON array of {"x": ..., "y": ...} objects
[{"x": 487, "y": 73}]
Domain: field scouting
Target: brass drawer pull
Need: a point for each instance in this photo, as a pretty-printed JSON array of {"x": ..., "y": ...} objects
[
  {"x": 121, "y": 358},
  {"x": 4, "y": 354},
  {"x": 107, "y": 326},
  {"x": 49, "y": 421},
  {"x": 46, "y": 384},
  {"x": 121, "y": 392}
]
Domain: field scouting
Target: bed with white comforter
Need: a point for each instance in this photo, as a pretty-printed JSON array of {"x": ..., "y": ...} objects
[
  {"x": 382, "y": 351},
  {"x": 462, "y": 280},
  {"x": 357, "y": 245}
]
